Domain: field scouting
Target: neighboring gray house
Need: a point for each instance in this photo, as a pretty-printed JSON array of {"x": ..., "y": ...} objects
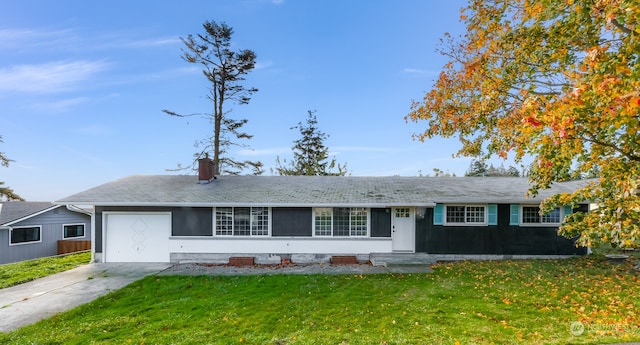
[
  {"x": 30, "y": 230},
  {"x": 183, "y": 218}
]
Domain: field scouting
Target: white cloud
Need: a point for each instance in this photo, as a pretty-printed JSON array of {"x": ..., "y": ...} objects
[
  {"x": 260, "y": 3},
  {"x": 364, "y": 149},
  {"x": 71, "y": 40},
  {"x": 419, "y": 72},
  {"x": 265, "y": 152},
  {"x": 59, "y": 106},
  {"x": 93, "y": 130},
  {"x": 263, "y": 64},
  {"x": 120, "y": 40},
  {"x": 52, "y": 77},
  {"x": 336, "y": 150},
  {"x": 20, "y": 39},
  {"x": 93, "y": 159},
  {"x": 152, "y": 42}
]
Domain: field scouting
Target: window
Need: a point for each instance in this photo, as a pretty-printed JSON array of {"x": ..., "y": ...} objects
[
  {"x": 322, "y": 221},
  {"x": 242, "y": 221},
  {"x": 25, "y": 235},
  {"x": 72, "y": 230},
  {"x": 358, "y": 222},
  {"x": 259, "y": 221},
  {"x": 531, "y": 215},
  {"x": 224, "y": 221},
  {"x": 455, "y": 214},
  {"x": 459, "y": 214},
  {"x": 475, "y": 214},
  {"x": 341, "y": 221},
  {"x": 403, "y": 212}
]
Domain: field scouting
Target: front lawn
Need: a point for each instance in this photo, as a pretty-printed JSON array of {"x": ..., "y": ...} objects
[
  {"x": 25, "y": 271},
  {"x": 579, "y": 301}
]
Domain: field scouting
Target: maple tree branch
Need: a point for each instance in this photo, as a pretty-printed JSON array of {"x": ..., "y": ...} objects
[
  {"x": 593, "y": 140},
  {"x": 623, "y": 28}
]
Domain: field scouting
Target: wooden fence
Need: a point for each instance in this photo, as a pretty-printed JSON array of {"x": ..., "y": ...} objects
[{"x": 72, "y": 246}]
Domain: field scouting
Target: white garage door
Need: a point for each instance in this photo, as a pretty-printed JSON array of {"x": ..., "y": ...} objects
[{"x": 136, "y": 237}]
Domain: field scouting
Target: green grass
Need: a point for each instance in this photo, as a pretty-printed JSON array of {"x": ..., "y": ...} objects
[
  {"x": 24, "y": 271},
  {"x": 531, "y": 302}
]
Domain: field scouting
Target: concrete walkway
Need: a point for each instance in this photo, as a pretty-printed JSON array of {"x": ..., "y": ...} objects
[
  {"x": 39, "y": 299},
  {"x": 30, "y": 302},
  {"x": 226, "y": 270}
]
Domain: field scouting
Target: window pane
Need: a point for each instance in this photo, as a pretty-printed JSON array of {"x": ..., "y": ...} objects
[
  {"x": 475, "y": 214},
  {"x": 23, "y": 235},
  {"x": 259, "y": 221},
  {"x": 358, "y": 221},
  {"x": 341, "y": 221},
  {"x": 455, "y": 214},
  {"x": 71, "y": 231},
  {"x": 402, "y": 212},
  {"x": 553, "y": 217},
  {"x": 224, "y": 221},
  {"x": 323, "y": 221},
  {"x": 530, "y": 214},
  {"x": 241, "y": 221}
]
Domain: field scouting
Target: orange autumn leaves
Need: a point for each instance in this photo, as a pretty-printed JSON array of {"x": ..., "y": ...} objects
[
  {"x": 589, "y": 290},
  {"x": 556, "y": 80}
]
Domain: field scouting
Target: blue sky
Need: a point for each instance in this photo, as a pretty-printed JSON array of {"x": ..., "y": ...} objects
[{"x": 83, "y": 83}]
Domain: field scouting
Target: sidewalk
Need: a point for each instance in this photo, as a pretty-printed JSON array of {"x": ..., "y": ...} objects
[
  {"x": 28, "y": 303},
  {"x": 211, "y": 269}
]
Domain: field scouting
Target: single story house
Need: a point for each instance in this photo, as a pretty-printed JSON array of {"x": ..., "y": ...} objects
[
  {"x": 30, "y": 230},
  {"x": 180, "y": 218}
]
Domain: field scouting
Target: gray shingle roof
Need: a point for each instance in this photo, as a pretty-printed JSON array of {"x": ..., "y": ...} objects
[
  {"x": 182, "y": 190},
  {"x": 13, "y": 210}
]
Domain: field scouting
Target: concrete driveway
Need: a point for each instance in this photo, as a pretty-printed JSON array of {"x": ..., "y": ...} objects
[{"x": 28, "y": 303}]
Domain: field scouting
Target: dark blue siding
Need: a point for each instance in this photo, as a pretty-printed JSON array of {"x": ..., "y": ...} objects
[{"x": 503, "y": 239}]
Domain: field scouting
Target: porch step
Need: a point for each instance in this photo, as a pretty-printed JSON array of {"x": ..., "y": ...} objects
[{"x": 401, "y": 259}]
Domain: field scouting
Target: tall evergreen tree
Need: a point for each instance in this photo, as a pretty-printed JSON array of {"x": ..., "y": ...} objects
[
  {"x": 7, "y": 193},
  {"x": 225, "y": 70},
  {"x": 479, "y": 167},
  {"x": 310, "y": 155}
]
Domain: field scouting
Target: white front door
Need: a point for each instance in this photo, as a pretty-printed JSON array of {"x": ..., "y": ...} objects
[
  {"x": 136, "y": 237},
  {"x": 403, "y": 229}
]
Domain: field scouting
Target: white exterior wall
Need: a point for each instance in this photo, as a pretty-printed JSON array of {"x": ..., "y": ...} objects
[{"x": 277, "y": 245}]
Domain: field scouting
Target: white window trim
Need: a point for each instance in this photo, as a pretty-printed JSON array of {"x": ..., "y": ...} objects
[
  {"x": 313, "y": 223},
  {"x": 25, "y": 227},
  {"x": 233, "y": 219},
  {"x": 541, "y": 224},
  {"x": 84, "y": 230},
  {"x": 484, "y": 223}
]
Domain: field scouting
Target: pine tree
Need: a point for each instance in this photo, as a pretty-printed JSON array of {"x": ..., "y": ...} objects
[
  {"x": 478, "y": 167},
  {"x": 225, "y": 70},
  {"x": 7, "y": 193},
  {"x": 310, "y": 155}
]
